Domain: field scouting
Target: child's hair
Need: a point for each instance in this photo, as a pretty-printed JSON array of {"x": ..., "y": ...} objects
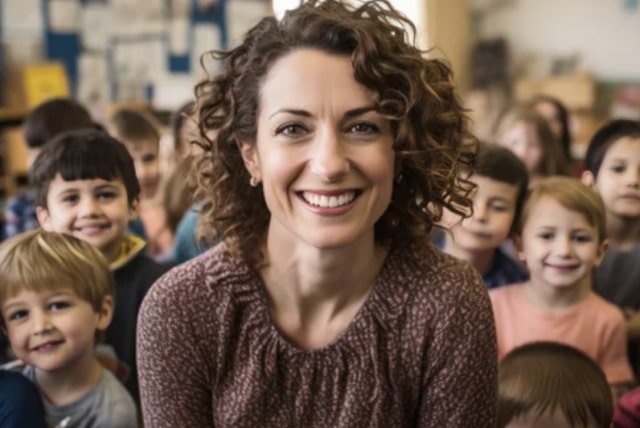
[
  {"x": 562, "y": 117},
  {"x": 52, "y": 118},
  {"x": 572, "y": 194},
  {"x": 553, "y": 161},
  {"x": 608, "y": 134},
  {"x": 39, "y": 261},
  {"x": 544, "y": 377},
  {"x": 83, "y": 155},
  {"x": 177, "y": 122},
  {"x": 135, "y": 127},
  {"x": 500, "y": 164},
  {"x": 178, "y": 192}
]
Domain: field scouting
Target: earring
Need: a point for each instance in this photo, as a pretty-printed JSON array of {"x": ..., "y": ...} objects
[{"x": 253, "y": 181}]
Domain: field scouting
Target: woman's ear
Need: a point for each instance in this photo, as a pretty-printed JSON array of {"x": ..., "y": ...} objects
[{"x": 251, "y": 159}]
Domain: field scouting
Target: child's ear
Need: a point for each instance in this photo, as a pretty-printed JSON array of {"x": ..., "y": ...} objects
[
  {"x": 250, "y": 158},
  {"x": 134, "y": 208},
  {"x": 44, "y": 219},
  {"x": 517, "y": 243},
  {"x": 105, "y": 314},
  {"x": 588, "y": 178},
  {"x": 602, "y": 251}
]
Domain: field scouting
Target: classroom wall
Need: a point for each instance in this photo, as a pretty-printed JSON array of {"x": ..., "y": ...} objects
[{"x": 606, "y": 33}]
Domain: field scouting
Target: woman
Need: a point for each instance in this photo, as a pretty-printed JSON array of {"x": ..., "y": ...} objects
[{"x": 337, "y": 145}]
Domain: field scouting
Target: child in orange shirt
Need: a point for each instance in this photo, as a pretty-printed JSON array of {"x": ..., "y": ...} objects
[{"x": 562, "y": 240}]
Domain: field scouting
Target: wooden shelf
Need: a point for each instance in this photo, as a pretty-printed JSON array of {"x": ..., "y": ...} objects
[{"x": 11, "y": 116}]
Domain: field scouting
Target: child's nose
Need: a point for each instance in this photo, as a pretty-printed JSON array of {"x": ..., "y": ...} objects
[
  {"x": 480, "y": 212},
  {"x": 563, "y": 245},
  {"x": 41, "y": 322},
  {"x": 88, "y": 206}
]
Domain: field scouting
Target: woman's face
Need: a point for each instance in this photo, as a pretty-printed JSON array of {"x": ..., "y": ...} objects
[{"x": 324, "y": 157}]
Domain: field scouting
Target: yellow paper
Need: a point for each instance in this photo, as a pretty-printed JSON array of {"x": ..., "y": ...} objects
[{"x": 45, "y": 81}]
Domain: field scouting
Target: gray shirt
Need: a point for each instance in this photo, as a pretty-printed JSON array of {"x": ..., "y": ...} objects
[
  {"x": 107, "y": 405},
  {"x": 617, "y": 279}
]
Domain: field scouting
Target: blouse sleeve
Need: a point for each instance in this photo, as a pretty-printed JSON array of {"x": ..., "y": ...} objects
[
  {"x": 460, "y": 383},
  {"x": 174, "y": 375}
]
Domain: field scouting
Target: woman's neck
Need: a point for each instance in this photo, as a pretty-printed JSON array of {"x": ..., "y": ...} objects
[
  {"x": 315, "y": 293},
  {"x": 481, "y": 260},
  {"x": 67, "y": 385},
  {"x": 622, "y": 233},
  {"x": 550, "y": 298}
]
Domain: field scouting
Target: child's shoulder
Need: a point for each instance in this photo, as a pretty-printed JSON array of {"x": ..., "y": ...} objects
[
  {"x": 117, "y": 404},
  {"x": 598, "y": 305}
]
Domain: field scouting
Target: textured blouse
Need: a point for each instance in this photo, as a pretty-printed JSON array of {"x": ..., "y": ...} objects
[{"x": 421, "y": 351}]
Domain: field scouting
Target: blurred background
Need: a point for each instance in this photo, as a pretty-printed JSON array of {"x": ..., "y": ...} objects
[{"x": 147, "y": 55}]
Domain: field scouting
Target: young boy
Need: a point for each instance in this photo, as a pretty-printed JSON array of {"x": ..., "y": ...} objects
[
  {"x": 501, "y": 180},
  {"x": 85, "y": 185},
  {"x": 141, "y": 137},
  {"x": 562, "y": 240},
  {"x": 552, "y": 385},
  {"x": 43, "y": 123},
  {"x": 56, "y": 295},
  {"x": 612, "y": 168}
]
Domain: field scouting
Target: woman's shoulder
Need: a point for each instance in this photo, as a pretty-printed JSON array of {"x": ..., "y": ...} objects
[{"x": 204, "y": 274}]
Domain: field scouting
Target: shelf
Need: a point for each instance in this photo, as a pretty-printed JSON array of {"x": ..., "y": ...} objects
[{"x": 11, "y": 116}]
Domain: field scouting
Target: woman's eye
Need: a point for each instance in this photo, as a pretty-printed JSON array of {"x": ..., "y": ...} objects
[
  {"x": 364, "y": 128},
  {"x": 291, "y": 129}
]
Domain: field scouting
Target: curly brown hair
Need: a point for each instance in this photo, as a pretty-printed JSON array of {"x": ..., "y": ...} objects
[{"x": 433, "y": 145}]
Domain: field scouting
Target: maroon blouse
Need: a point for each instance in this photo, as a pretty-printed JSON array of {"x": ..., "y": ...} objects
[{"x": 420, "y": 352}]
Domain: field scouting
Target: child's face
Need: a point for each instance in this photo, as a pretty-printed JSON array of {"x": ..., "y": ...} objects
[
  {"x": 523, "y": 141},
  {"x": 559, "y": 246},
  {"x": 94, "y": 210},
  {"x": 494, "y": 206},
  {"x": 618, "y": 179},
  {"x": 53, "y": 330},
  {"x": 146, "y": 162}
]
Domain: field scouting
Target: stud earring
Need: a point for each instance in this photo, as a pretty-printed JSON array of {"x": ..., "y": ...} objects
[{"x": 253, "y": 181}]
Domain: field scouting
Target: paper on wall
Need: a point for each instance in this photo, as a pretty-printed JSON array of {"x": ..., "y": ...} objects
[
  {"x": 93, "y": 79},
  {"x": 136, "y": 64},
  {"x": 64, "y": 15},
  {"x": 173, "y": 90},
  {"x": 21, "y": 18},
  {"x": 131, "y": 18},
  {"x": 95, "y": 23},
  {"x": 205, "y": 38},
  {"x": 241, "y": 16},
  {"x": 180, "y": 8},
  {"x": 179, "y": 36}
]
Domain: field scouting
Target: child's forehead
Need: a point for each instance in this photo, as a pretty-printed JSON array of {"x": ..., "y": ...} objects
[
  {"x": 492, "y": 187},
  {"x": 94, "y": 182},
  {"x": 550, "y": 210},
  {"x": 623, "y": 147},
  {"x": 142, "y": 145},
  {"x": 35, "y": 293}
]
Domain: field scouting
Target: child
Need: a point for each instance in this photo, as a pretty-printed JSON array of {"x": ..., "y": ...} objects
[
  {"x": 562, "y": 239},
  {"x": 85, "y": 185},
  {"x": 612, "y": 166},
  {"x": 56, "y": 294},
  {"x": 142, "y": 139},
  {"x": 44, "y": 122},
  {"x": 502, "y": 187},
  {"x": 528, "y": 136},
  {"x": 552, "y": 385}
]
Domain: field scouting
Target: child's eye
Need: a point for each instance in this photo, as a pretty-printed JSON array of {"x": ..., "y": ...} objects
[
  {"x": 618, "y": 168},
  {"x": 107, "y": 195},
  {"x": 70, "y": 199},
  {"x": 291, "y": 130},
  {"x": 59, "y": 305},
  {"x": 363, "y": 128},
  {"x": 149, "y": 158},
  {"x": 582, "y": 238},
  {"x": 546, "y": 236},
  {"x": 17, "y": 315}
]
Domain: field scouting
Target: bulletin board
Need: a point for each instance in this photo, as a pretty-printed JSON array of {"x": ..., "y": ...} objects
[{"x": 127, "y": 50}]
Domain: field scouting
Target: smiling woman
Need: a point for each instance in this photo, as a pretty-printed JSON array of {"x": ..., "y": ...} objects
[{"x": 337, "y": 145}]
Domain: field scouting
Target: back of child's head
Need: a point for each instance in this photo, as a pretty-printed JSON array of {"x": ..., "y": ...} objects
[
  {"x": 553, "y": 160},
  {"x": 572, "y": 194},
  {"x": 545, "y": 378},
  {"x": 178, "y": 192},
  {"x": 52, "y": 118},
  {"x": 608, "y": 134},
  {"x": 134, "y": 127},
  {"x": 42, "y": 261},
  {"x": 500, "y": 164},
  {"x": 83, "y": 155}
]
